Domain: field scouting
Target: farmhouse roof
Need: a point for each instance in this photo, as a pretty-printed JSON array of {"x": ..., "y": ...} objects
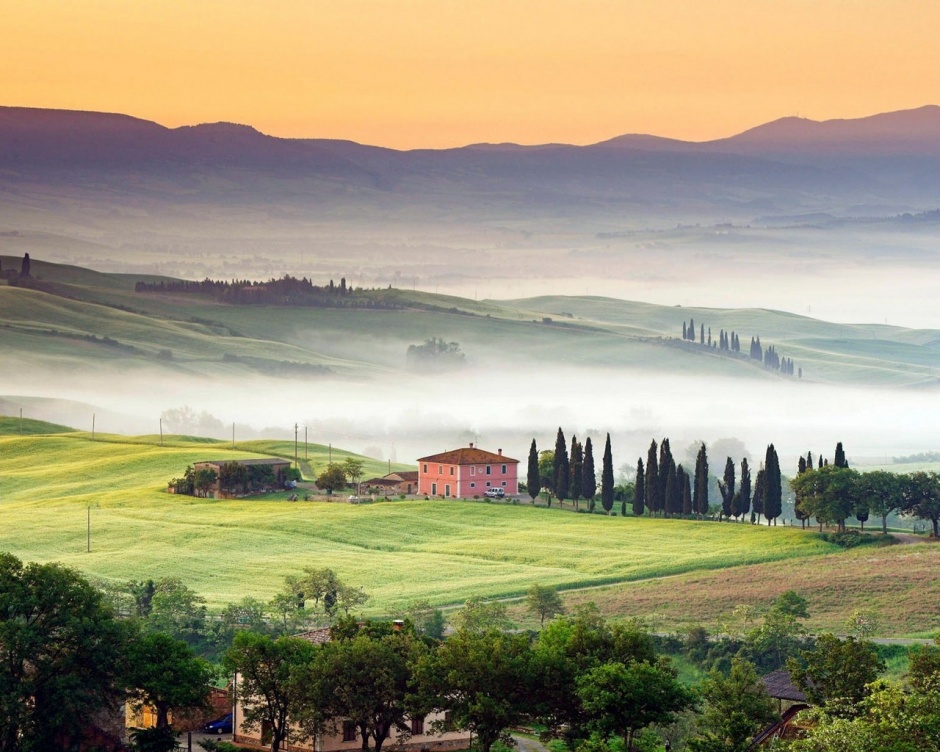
[
  {"x": 265, "y": 461},
  {"x": 316, "y": 636},
  {"x": 779, "y": 686},
  {"x": 405, "y": 475},
  {"x": 386, "y": 481},
  {"x": 468, "y": 456}
]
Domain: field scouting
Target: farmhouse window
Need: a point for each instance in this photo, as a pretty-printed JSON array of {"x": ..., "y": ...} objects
[
  {"x": 447, "y": 490},
  {"x": 504, "y": 470},
  {"x": 504, "y": 483},
  {"x": 417, "y": 726},
  {"x": 434, "y": 489},
  {"x": 451, "y": 469},
  {"x": 488, "y": 470},
  {"x": 425, "y": 468},
  {"x": 349, "y": 731},
  {"x": 473, "y": 470},
  {"x": 473, "y": 485},
  {"x": 440, "y": 469}
]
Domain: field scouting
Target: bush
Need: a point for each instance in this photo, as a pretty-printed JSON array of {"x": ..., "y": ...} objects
[{"x": 848, "y": 539}]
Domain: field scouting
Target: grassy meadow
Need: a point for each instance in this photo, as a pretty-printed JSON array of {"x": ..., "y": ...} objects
[{"x": 445, "y": 551}]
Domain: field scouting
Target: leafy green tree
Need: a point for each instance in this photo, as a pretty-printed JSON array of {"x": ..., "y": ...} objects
[
  {"x": 363, "y": 678},
  {"x": 881, "y": 493},
  {"x": 248, "y": 614},
  {"x": 589, "y": 474},
  {"x": 607, "y": 479},
  {"x": 620, "y": 699},
  {"x": 773, "y": 489},
  {"x": 544, "y": 602},
  {"x": 178, "y": 611},
  {"x": 830, "y": 494},
  {"x": 233, "y": 478},
  {"x": 779, "y": 637},
  {"x": 61, "y": 656},
  {"x": 478, "y": 615},
  {"x": 435, "y": 355},
  {"x": 562, "y": 470},
  {"x": 166, "y": 674},
  {"x": 332, "y": 478},
  {"x": 921, "y": 497},
  {"x": 203, "y": 480},
  {"x": 639, "y": 497},
  {"x": 533, "y": 477},
  {"x": 700, "y": 489},
  {"x": 736, "y": 707},
  {"x": 352, "y": 469},
  {"x": 836, "y": 673},
  {"x": 577, "y": 471},
  {"x": 428, "y": 620},
  {"x": 267, "y": 671},
  {"x": 547, "y": 472},
  {"x": 482, "y": 679}
]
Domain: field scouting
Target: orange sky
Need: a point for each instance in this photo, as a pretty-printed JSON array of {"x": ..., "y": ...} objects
[{"x": 409, "y": 73}]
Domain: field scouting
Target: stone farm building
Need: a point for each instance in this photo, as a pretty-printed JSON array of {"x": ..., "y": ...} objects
[
  {"x": 403, "y": 482},
  {"x": 347, "y": 736},
  {"x": 278, "y": 468},
  {"x": 467, "y": 472}
]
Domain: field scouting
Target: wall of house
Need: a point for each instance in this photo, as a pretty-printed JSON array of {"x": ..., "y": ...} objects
[
  {"x": 434, "y": 480},
  {"x": 474, "y": 480}
]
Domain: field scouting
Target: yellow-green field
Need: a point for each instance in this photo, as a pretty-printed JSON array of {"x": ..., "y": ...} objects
[{"x": 398, "y": 551}]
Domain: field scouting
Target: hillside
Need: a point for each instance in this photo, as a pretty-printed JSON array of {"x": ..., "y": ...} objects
[{"x": 93, "y": 322}]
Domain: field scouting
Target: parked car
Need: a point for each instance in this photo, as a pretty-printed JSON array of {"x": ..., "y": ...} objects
[
  {"x": 220, "y": 726},
  {"x": 495, "y": 493}
]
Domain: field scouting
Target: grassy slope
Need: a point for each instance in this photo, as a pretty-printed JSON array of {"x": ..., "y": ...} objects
[
  {"x": 398, "y": 551},
  {"x": 898, "y": 583},
  {"x": 15, "y": 425},
  {"x": 603, "y": 332}
]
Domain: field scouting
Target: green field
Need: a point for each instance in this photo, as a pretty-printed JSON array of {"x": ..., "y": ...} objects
[
  {"x": 95, "y": 322},
  {"x": 398, "y": 551}
]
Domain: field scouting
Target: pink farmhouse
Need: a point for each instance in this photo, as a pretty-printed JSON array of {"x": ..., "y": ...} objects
[{"x": 467, "y": 472}]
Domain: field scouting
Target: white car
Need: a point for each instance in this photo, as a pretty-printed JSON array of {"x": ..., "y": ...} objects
[{"x": 495, "y": 493}]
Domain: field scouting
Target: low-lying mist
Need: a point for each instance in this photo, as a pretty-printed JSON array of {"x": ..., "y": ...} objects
[{"x": 502, "y": 404}]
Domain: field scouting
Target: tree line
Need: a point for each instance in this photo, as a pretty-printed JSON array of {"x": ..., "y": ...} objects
[
  {"x": 571, "y": 475},
  {"x": 285, "y": 291},
  {"x": 730, "y": 342}
]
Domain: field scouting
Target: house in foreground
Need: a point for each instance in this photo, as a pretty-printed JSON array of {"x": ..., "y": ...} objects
[
  {"x": 467, "y": 472},
  {"x": 420, "y": 739}
]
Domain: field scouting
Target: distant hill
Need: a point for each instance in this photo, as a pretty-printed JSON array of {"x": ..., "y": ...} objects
[{"x": 789, "y": 164}]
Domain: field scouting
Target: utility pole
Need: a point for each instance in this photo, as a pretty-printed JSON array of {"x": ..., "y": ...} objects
[
  {"x": 305, "y": 443},
  {"x": 88, "y": 529},
  {"x": 233, "y": 434},
  {"x": 92, "y": 426},
  {"x": 21, "y": 420},
  {"x": 295, "y": 446},
  {"x": 161, "y": 431},
  {"x": 331, "y": 453}
]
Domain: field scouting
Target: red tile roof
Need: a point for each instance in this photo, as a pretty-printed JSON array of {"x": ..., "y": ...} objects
[
  {"x": 468, "y": 456},
  {"x": 316, "y": 636}
]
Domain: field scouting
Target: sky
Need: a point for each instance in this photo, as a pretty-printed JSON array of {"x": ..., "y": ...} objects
[{"x": 438, "y": 73}]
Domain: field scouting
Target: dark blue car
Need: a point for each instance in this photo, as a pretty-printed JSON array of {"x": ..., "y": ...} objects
[{"x": 220, "y": 726}]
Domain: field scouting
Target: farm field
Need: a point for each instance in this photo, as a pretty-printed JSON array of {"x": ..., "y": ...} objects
[
  {"x": 897, "y": 583},
  {"x": 397, "y": 551}
]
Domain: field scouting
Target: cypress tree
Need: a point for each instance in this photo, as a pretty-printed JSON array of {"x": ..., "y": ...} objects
[
  {"x": 607, "y": 479},
  {"x": 672, "y": 491},
  {"x": 801, "y": 468},
  {"x": 809, "y": 460},
  {"x": 561, "y": 467},
  {"x": 692, "y": 329},
  {"x": 666, "y": 466},
  {"x": 839, "y": 460},
  {"x": 24, "y": 267},
  {"x": 652, "y": 479},
  {"x": 744, "y": 495},
  {"x": 685, "y": 332},
  {"x": 758, "y": 501},
  {"x": 726, "y": 486},
  {"x": 533, "y": 480},
  {"x": 588, "y": 476},
  {"x": 820, "y": 462},
  {"x": 639, "y": 493},
  {"x": 577, "y": 468},
  {"x": 773, "y": 490},
  {"x": 702, "y": 335},
  {"x": 700, "y": 491},
  {"x": 686, "y": 493}
]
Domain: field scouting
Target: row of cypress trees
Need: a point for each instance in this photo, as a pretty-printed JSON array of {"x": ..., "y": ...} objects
[
  {"x": 731, "y": 342},
  {"x": 573, "y": 474}
]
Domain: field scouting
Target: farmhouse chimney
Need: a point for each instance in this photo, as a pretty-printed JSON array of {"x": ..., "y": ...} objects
[
  {"x": 499, "y": 452},
  {"x": 471, "y": 445}
]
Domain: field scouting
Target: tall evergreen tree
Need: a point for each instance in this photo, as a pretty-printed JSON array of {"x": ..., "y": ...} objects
[
  {"x": 839, "y": 460},
  {"x": 607, "y": 479},
  {"x": 577, "y": 470},
  {"x": 588, "y": 474},
  {"x": 24, "y": 267},
  {"x": 702, "y": 335},
  {"x": 744, "y": 495},
  {"x": 685, "y": 332},
  {"x": 692, "y": 329},
  {"x": 686, "y": 493},
  {"x": 773, "y": 490},
  {"x": 801, "y": 468},
  {"x": 561, "y": 471},
  {"x": 673, "y": 490},
  {"x": 533, "y": 480},
  {"x": 820, "y": 462},
  {"x": 652, "y": 479},
  {"x": 700, "y": 490},
  {"x": 666, "y": 467},
  {"x": 758, "y": 501},
  {"x": 639, "y": 492},
  {"x": 726, "y": 486}
]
